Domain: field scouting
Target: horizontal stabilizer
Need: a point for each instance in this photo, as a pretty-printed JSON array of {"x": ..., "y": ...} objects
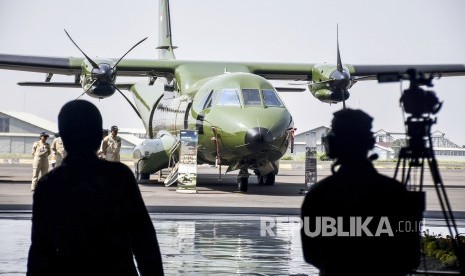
[
  {"x": 122, "y": 86},
  {"x": 50, "y": 84},
  {"x": 290, "y": 89}
]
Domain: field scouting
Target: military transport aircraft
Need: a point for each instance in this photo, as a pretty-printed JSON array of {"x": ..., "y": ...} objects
[{"x": 240, "y": 118}]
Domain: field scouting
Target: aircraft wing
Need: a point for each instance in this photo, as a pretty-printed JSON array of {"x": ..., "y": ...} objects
[
  {"x": 272, "y": 71},
  {"x": 306, "y": 72},
  {"x": 74, "y": 66},
  {"x": 370, "y": 72},
  {"x": 330, "y": 83},
  {"x": 53, "y": 65},
  {"x": 327, "y": 82}
]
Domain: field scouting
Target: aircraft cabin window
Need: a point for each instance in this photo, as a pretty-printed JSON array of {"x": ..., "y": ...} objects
[
  {"x": 251, "y": 97},
  {"x": 271, "y": 99},
  {"x": 229, "y": 97}
]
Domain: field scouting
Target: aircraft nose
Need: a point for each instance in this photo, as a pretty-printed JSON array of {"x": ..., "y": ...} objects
[{"x": 257, "y": 138}]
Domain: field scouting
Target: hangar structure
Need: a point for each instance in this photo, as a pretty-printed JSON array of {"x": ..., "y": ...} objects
[
  {"x": 386, "y": 147},
  {"x": 19, "y": 131}
]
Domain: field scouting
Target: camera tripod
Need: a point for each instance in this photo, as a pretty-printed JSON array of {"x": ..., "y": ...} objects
[{"x": 419, "y": 151}]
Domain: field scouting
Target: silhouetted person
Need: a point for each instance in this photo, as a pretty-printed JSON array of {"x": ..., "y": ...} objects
[
  {"x": 88, "y": 214},
  {"x": 348, "y": 242}
]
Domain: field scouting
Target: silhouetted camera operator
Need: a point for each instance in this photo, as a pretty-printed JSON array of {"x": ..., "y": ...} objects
[{"x": 356, "y": 221}]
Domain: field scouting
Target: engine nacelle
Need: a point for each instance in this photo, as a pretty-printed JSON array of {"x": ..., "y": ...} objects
[
  {"x": 99, "y": 82},
  {"x": 330, "y": 84},
  {"x": 154, "y": 154},
  {"x": 328, "y": 96}
]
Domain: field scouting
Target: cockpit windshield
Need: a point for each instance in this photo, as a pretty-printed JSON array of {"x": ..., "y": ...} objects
[
  {"x": 251, "y": 97},
  {"x": 271, "y": 99},
  {"x": 229, "y": 97}
]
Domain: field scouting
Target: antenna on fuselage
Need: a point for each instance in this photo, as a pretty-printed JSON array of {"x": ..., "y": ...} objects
[{"x": 165, "y": 43}]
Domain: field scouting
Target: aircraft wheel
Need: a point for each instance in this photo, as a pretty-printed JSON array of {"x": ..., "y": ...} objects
[
  {"x": 143, "y": 177},
  {"x": 242, "y": 184},
  {"x": 261, "y": 179},
  {"x": 270, "y": 179}
]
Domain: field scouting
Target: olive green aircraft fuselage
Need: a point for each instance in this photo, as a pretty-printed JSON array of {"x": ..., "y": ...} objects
[{"x": 240, "y": 119}]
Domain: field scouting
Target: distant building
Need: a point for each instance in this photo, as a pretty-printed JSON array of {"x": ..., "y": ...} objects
[
  {"x": 387, "y": 144},
  {"x": 19, "y": 130},
  {"x": 382, "y": 136},
  {"x": 444, "y": 149},
  {"x": 383, "y": 152}
]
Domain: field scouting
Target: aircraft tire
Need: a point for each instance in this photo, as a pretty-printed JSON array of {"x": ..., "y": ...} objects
[
  {"x": 270, "y": 179},
  {"x": 143, "y": 177},
  {"x": 242, "y": 184}
]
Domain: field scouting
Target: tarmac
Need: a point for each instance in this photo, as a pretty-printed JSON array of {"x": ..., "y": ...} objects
[{"x": 220, "y": 196}]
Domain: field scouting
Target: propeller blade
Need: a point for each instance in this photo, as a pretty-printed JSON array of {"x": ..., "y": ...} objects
[
  {"x": 94, "y": 65},
  {"x": 129, "y": 51},
  {"x": 90, "y": 86},
  {"x": 132, "y": 105},
  {"x": 339, "y": 62}
]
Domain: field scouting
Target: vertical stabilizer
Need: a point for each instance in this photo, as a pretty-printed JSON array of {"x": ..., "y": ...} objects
[{"x": 165, "y": 45}]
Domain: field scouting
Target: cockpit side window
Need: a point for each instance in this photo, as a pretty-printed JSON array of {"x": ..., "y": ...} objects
[
  {"x": 211, "y": 99},
  {"x": 251, "y": 97},
  {"x": 271, "y": 99},
  {"x": 202, "y": 105},
  {"x": 229, "y": 97}
]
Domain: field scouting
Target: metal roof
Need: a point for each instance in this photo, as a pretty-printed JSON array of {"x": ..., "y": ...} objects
[
  {"x": 131, "y": 139},
  {"x": 33, "y": 120}
]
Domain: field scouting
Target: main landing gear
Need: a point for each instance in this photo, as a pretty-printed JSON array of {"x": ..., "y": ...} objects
[
  {"x": 143, "y": 178},
  {"x": 267, "y": 179},
  {"x": 243, "y": 179}
]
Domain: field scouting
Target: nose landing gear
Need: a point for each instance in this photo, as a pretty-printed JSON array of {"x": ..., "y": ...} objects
[{"x": 243, "y": 179}]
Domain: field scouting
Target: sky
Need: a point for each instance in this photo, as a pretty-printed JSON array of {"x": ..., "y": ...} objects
[{"x": 293, "y": 31}]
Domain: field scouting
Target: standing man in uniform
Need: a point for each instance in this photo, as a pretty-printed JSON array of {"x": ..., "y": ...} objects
[
  {"x": 58, "y": 151},
  {"x": 111, "y": 145},
  {"x": 100, "y": 151},
  {"x": 40, "y": 151}
]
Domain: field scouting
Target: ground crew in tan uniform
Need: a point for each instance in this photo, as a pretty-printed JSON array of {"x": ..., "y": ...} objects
[
  {"x": 111, "y": 145},
  {"x": 100, "y": 151},
  {"x": 40, "y": 151},
  {"x": 58, "y": 151}
]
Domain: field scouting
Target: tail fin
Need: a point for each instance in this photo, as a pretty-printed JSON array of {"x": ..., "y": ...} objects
[{"x": 165, "y": 44}]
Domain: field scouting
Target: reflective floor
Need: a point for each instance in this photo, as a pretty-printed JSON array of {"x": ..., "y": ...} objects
[
  {"x": 200, "y": 244},
  {"x": 191, "y": 245}
]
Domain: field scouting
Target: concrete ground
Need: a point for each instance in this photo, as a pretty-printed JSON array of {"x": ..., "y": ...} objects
[{"x": 220, "y": 196}]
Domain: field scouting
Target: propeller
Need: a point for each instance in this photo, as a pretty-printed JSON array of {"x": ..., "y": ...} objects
[
  {"x": 338, "y": 81},
  {"x": 94, "y": 65},
  {"x": 104, "y": 74},
  {"x": 130, "y": 103},
  {"x": 341, "y": 80},
  {"x": 137, "y": 44}
]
